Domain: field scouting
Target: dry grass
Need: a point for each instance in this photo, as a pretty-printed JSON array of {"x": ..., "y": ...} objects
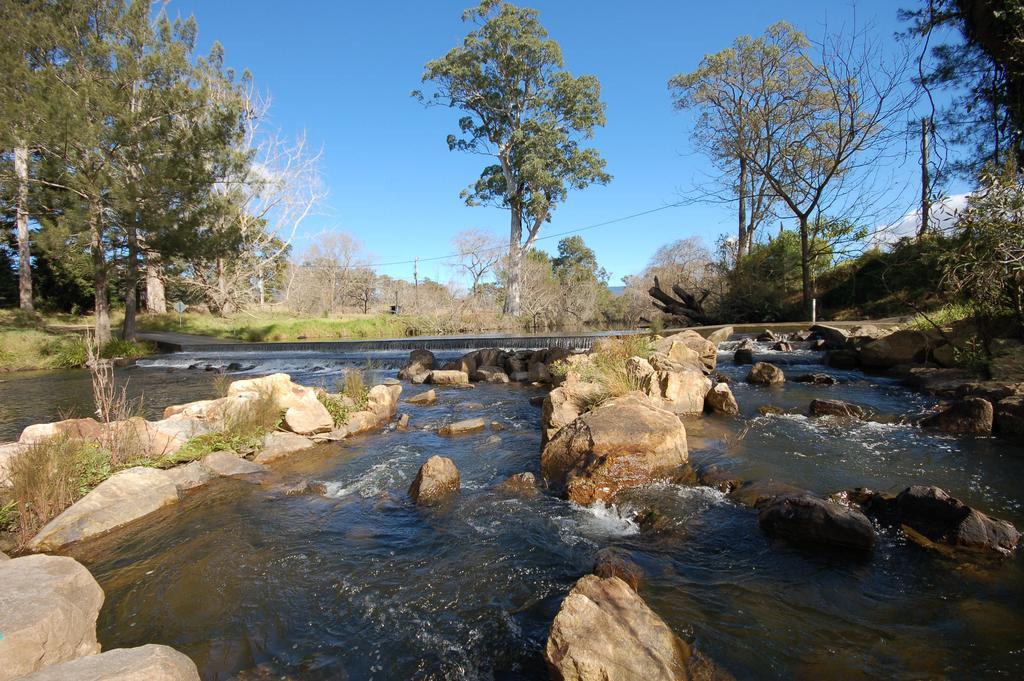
[
  {"x": 51, "y": 475},
  {"x": 607, "y": 367},
  {"x": 113, "y": 406}
]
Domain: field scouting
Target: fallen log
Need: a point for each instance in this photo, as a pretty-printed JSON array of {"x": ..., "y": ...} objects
[{"x": 685, "y": 305}]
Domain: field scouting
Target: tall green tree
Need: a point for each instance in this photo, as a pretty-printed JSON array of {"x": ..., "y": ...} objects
[{"x": 522, "y": 109}]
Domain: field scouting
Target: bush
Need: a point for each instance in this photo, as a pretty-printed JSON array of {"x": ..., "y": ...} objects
[
  {"x": 69, "y": 352},
  {"x": 606, "y": 366},
  {"x": 355, "y": 388},
  {"x": 119, "y": 347}
]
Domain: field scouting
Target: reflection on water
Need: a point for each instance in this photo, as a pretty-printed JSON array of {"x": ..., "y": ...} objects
[{"x": 360, "y": 584}]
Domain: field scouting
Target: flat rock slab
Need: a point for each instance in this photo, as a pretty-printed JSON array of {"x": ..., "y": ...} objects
[
  {"x": 48, "y": 611},
  {"x": 463, "y": 427},
  {"x": 229, "y": 465},
  {"x": 279, "y": 445},
  {"x": 448, "y": 377},
  {"x": 427, "y": 397},
  {"x": 145, "y": 663},
  {"x": 125, "y": 496},
  {"x": 190, "y": 476}
]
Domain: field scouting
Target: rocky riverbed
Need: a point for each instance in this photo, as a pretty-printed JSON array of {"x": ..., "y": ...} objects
[{"x": 783, "y": 541}]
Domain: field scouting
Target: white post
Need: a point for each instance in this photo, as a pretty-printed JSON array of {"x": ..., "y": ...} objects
[{"x": 814, "y": 310}]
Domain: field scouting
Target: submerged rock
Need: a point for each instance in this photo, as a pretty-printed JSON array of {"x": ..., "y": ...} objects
[
  {"x": 605, "y": 632},
  {"x": 816, "y": 379},
  {"x": 836, "y": 408},
  {"x": 842, "y": 359},
  {"x": 809, "y": 520},
  {"x": 970, "y": 416},
  {"x": 146, "y": 663},
  {"x": 720, "y": 400},
  {"x": 463, "y": 427},
  {"x": 611, "y": 562},
  {"x": 520, "y": 484},
  {"x": 279, "y": 445},
  {"x": 120, "y": 499},
  {"x": 744, "y": 353},
  {"x": 48, "y": 611},
  {"x": 625, "y": 442},
  {"x": 760, "y": 493},
  {"x": 764, "y": 373},
  {"x": 436, "y": 479}
]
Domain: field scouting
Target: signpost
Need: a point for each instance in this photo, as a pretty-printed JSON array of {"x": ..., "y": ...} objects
[{"x": 179, "y": 307}]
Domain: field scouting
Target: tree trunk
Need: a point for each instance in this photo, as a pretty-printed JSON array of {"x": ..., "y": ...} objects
[
  {"x": 131, "y": 294},
  {"x": 741, "y": 243},
  {"x": 100, "y": 274},
  {"x": 156, "y": 295},
  {"x": 805, "y": 265},
  {"x": 515, "y": 264},
  {"x": 24, "y": 253}
]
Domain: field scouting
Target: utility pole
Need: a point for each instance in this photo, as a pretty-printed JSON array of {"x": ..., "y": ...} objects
[
  {"x": 925, "y": 202},
  {"x": 416, "y": 280}
]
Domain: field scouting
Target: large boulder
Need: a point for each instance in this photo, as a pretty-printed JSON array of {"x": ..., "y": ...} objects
[
  {"x": 436, "y": 479},
  {"x": 744, "y": 353},
  {"x": 564, "y": 404},
  {"x": 764, "y": 373},
  {"x": 80, "y": 429},
  {"x": 490, "y": 374},
  {"x": 279, "y": 445},
  {"x": 682, "y": 392},
  {"x": 303, "y": 412},
  {"x": 835, "y": 408},
  {"x": 809, "y": 520},
  {"x": 146, "y": 663},
  {"x": 720, "y": 400},
  {"x": 308, "y": 419},
  {"x": 1008, "y": 418},
  {"x": 902, "y": 347},
  {"x": 120, "y": 499},
  {"x": 625, "y": 442},
  {"x": 48, "y": 611},
  {"x": 382, "y": 400},
  {"x": 942, "y": 518},
  {"x": 970, "y": 416},
  {"x": 605, "y": 632},
  {"x": 448, "y": 377},
  {"x": 419, "y": 365},
  {"x": 834, "y": 337},
  {"x": 689, "y": 348}
]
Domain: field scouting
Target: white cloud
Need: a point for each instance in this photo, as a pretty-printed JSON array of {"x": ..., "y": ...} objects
[{"x": 940, "y": 218}]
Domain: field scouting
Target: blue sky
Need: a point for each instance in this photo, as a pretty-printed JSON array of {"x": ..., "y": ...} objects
[{"x": 343, "y": 71}]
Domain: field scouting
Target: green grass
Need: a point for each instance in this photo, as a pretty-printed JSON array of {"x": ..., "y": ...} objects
[
  {"x": 33, "y": 341},
  {"x": 944, "y": 317},
  {"x": 607, "y": 367}
]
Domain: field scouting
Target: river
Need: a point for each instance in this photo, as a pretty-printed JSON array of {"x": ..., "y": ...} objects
[{"x": 361, "y": 584}]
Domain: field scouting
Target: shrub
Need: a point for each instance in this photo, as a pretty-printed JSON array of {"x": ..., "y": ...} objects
[
  {"x": 338, "y": 410},
  {"x": 119, "y": 347},
  {"x": 69, "y": 352},
  {"x": 607, "y": 366},
  {"x": 355, "y": 388},
  {"x": 51, "y": 475}
]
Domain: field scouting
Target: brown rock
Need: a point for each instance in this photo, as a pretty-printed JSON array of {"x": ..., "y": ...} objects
[
  {"x": 420, "y": 363},
  {"x": 843, "y": 359},
  {"x": 146, "y": 663},
  {"x": 229, "y": 465},
  {"x": 564, "y": 404},
  {"x": 942, "y": 518},
  {"x": 835, "y": 408},
  {"x": 816, "y": 379},
  {"x": 720, "y": 400},
  {"x": 83, "y": 429},
  {"x": 625, "y": 442},
  {"x": 612, "y": 562},
  {"x": 520, "y": 484},
  {"x": 490, "y": 374},
  {"x": 437, "y": 478},
  {"x": 403, "y": 423},
  {"x": 764, "y": 373},
  {"x": 448, "y": 377},
  {"x": 720, "y": 335},
  {"x": 463, "y": 427},
  {"x": 1008, "y": 417},
  {"x": 809, "y": 520},
  {"x": 605, "y": 632},
  {"x": 902, "y": 347},
  {"x": 834, "y": 337},
  {"x": 970, "y": 416},
  {"x": 424, "y": 398},
  {"x": 279, "y": 445}
]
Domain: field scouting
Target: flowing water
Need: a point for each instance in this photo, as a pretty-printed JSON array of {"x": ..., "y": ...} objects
[{"x": 361, "y": 584}]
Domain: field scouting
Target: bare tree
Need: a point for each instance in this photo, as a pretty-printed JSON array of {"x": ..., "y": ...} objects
[
  {"x": 479, "y": 253},
  {"x": 327, "y": 276}
]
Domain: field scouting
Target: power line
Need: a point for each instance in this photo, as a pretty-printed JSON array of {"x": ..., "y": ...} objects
[{"x": 415, "y": 261}]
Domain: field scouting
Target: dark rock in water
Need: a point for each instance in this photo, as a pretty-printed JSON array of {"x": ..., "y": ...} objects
[
  {"x": 720, "y": 400},
  {"x": 770, "y": 410},
  {"x": 970, "y": 416},
  {"x": 1009, "y": 416},
  {"x": 759, "y": 493},
  {"x": 801, "y": 336},
  {"x": 817, "y": 379},
  {"x": 842, "y": 359},
  {"x": 901, "y": 347},
  {"x": 719, "y": 377},
  {"x": 835, "y": 408},
  {"x": 942, "y": 518},
  {"x": 783, "y": 346},
  {"x": 611, "y": 562},
  {"x": 538, "y": 400},
  {"x": 809, "y": 520},
  {"x": 234, "y": 366},
  {"x": 743, "y": 356},
  {"x": 766, "y": 336},
  {"x": 834, "y": 337},
  {"x": 418, "y": 367},
  {"x": 819, "y": 344},
  {"x": 764, "y": 373},
  {"x": 713, "y": 476},
  {"x": 653, "y": 521},
  {"x": 303, "y": 487}
]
